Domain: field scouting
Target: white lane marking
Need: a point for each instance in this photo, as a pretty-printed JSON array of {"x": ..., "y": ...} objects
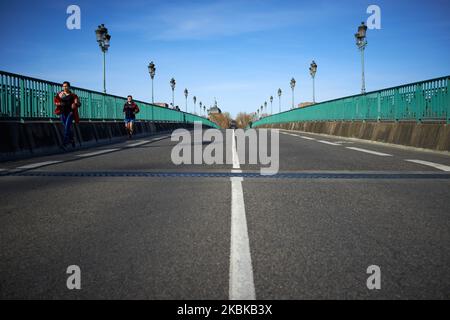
[
  {"x": 2, "y": 169},
  {"x": 328, "y": 142},
  {"x": 370, "y": 151},
  {"x": 307, "y": 138},
  {"x": 241, "y": 285},
  {"x": 431, "y": 164},
  {"x": 236, "y": 164},
  {"x": 39, "y": 164},
  {"x": 96, "y": 152},
  {"x": 138, "y": 143}
]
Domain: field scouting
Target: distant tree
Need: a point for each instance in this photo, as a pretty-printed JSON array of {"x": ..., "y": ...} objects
[
  {"x": 223, "y": 119},
  {"x": 243, "y": 119}
]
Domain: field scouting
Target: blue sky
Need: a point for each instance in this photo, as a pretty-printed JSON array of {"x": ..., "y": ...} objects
[{"x": 238, "y": 51}]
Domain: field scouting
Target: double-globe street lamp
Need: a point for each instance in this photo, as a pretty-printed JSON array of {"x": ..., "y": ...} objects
[
  {"x": 312, "y": 72},
  {"x": 292, "y": 87},
  {"x": 172, "y": 85},
  {"x": 186, "y": 93},
  {"x": 103, "y": 38},
  {"x": 195, "y": 101},
  {"x": 279, "y": 99},
  {"x": 271, "y": 105},
  {"x": 152, "y": 71},
  {"x": 361, "y": 43}
]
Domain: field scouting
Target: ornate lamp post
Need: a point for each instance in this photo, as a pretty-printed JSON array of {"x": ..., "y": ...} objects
[
  {"x": 361, "y": 43},
  {"x": 103, "y": 39},
  {"x": 152, "y": 70},
  {"x": 279, "y": 99},
  {"x": 292, "y": 87},
  {"x": 200, "y": 104},
  {"x": 186, "y": 93},
  {"x": 195, "y": 101},
  {"x": 172, "y": 85},
  {"x": 312, "y": 72},
  {"x": 265, "y": 105},
  {"x": 271, "y": 106}
]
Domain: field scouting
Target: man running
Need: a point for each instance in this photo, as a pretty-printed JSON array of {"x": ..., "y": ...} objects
[
  {"x": 130, "y": 109},
  {"x": 67, "y": 104}
]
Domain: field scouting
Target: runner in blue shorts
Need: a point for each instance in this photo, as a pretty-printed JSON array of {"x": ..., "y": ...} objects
[{"x": 130, "y": 109}]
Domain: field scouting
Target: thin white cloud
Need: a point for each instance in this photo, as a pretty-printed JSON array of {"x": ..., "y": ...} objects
[{"x": 215, "y": 19}]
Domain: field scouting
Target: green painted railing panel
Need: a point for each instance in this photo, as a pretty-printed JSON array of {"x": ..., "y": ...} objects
[
  {"x": 421, "y": 101},
  {"x": 23, "y": 97}
]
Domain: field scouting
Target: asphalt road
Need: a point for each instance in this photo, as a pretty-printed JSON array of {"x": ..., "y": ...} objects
[{"x": 141, "y": 227}]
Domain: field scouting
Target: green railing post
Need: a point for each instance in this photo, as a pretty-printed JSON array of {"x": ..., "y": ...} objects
[
  {"x": 22, "y": 99},
  {"x": 447, "y": 100},
  {"x": 421, "y": 101}
]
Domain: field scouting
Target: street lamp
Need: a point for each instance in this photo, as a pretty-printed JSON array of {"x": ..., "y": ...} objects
[
  {"x": 271, "y": 108},
  {"x": 312, "y": 72},
  {"x": 361, "y": 43},
  {"x": 200, "y": 104},
  {"x": 292, "y": 87},
  {"x": 279, "y": 99},
  {"x": 186, "y": 92},
  {"x": 172, "y": 85},
  {"x": 152, "y": 70},
  {"x": 195, "y": 101},
  {"x": 265, "y": 105},
  {"x": 103, "y": 39}
]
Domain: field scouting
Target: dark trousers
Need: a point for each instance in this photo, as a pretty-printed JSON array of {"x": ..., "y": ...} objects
[{"x": 67, "y": 123}]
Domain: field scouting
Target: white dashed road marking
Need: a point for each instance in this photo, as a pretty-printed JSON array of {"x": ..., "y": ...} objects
[
  {"x": 432, "y": 164},
  {"x": 328, "y": 142},
  {"x": 97, "y": 152},
  {"x": 37, "y": 165},
  {"x": 138, "y": 143},
  {"x": 307, "y": 138},
  {"x": 370, "y": 151}
]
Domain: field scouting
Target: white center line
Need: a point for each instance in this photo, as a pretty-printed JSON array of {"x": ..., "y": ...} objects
[
  {"x": 328, "y": 142},
  {"x": 39, "y": 164},
  {"x": 431, "y": 164},
  {"x": 236, "y": 164},
  {"x": 138, "y": 143},
  {"x": 96, "y": 152},
  {"x": 241, "y": 285},
  {"x": 370, "y": 151}
]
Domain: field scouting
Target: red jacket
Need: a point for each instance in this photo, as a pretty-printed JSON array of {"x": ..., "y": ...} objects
[{"x": 75, "y": 105}]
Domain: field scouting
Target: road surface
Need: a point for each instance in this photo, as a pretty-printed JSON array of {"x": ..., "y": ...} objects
[{"x": 140, "y": 227}]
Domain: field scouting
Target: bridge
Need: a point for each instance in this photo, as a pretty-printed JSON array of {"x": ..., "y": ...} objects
[{"x": 363, "y": 184}]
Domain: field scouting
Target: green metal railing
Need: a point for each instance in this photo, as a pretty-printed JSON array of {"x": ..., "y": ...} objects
[
  {"x": 420, "y": 101},
  {"x": 27, "y": 98}
]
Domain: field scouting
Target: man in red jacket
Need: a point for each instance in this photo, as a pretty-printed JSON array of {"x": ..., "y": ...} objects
[{"x": 67, "y": 104}]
